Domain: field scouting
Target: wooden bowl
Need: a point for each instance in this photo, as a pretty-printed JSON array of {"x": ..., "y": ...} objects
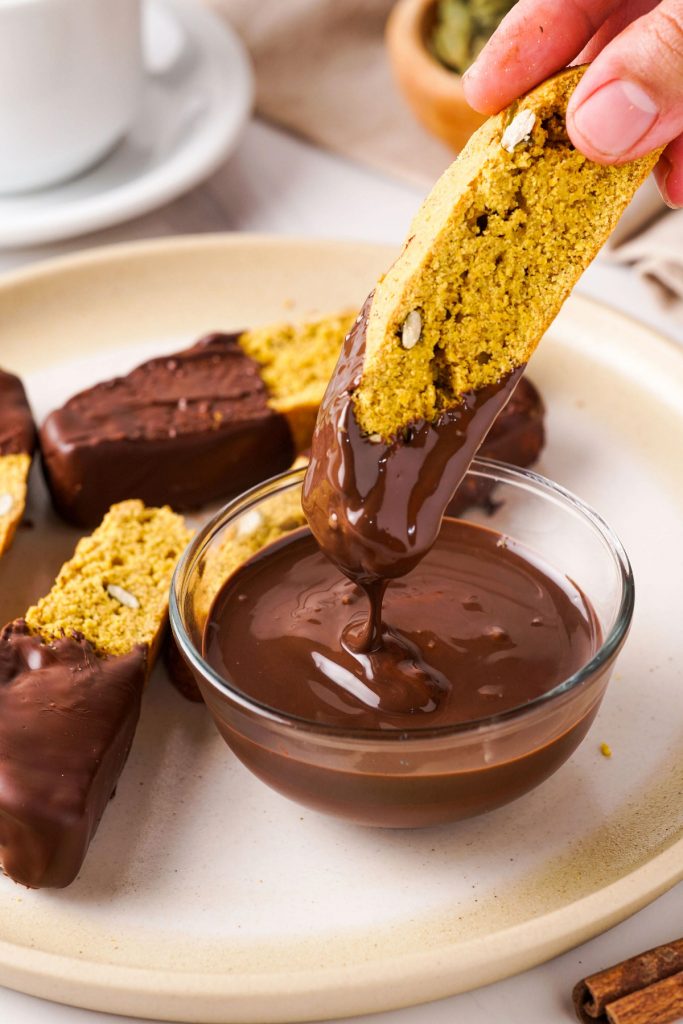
[{"x": 433, "y": 92}]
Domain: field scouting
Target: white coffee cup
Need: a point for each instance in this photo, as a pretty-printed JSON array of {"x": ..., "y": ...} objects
[{"x": 71, "y": 77}]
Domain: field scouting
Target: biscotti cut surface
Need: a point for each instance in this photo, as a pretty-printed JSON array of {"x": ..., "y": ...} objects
[
  {"x": 489, "y": 260},
  {"x": 14, "y": 470},
  {"x": 296, "y": 363},
  {"x": 114, "y": 591}
]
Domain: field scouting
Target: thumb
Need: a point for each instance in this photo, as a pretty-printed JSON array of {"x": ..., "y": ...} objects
[{"x": 630, "y": 101}]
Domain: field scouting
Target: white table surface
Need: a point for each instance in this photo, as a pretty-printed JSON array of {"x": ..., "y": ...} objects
[{"x": 277, "y": 184}]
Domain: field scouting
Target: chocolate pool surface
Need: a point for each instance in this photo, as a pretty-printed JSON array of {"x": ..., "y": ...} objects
[{"x": 478, "y": 627}]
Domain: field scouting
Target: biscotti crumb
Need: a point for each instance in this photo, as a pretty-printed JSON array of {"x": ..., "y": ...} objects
[{"x": 605, "y": 750}]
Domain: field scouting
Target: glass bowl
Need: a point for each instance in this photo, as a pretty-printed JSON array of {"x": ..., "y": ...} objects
[{"x": 421, "y": 776}]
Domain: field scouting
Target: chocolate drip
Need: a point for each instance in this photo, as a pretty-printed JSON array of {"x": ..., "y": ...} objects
[
  {"x": 17, "y": 430},
  {"x": 67, "y": 720}
]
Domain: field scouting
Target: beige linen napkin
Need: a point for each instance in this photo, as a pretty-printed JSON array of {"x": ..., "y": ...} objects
[{"x": 322, "y": 72}]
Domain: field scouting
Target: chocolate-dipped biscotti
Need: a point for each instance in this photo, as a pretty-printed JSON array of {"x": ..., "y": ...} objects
[
  {"x": 192, "y": 427},
  {"x": 71, "y": 678},
  {"x": 442, "y": 341},
  {"x": 17, "y": 443},
  {"x": 516, "y": 437}
]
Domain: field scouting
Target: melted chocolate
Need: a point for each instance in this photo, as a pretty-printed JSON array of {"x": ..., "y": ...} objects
[
  {"x": 479, "y": 627},
  {"x": 67, "y": 720},
  {"x": 17, "y": 430},
  {"x": 185, "y": 430},
  {"x": 376, "y": 508}
]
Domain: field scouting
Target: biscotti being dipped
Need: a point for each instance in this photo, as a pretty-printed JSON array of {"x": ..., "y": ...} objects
[
  {"x": 17, "y": 443},
  {"x": 441, "y": 342},
  {"x": 72, "y": 674},
  {"x": 490, "y": 257}
]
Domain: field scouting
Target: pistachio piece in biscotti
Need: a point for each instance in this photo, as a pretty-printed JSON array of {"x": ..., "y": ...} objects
[{"x": 491, "y": 256}]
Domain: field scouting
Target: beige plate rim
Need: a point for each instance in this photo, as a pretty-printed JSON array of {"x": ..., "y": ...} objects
[{"x": 410, "y": 978}]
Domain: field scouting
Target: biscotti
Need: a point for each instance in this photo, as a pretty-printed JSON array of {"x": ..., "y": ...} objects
[
  {"x": 192, "y": 427},
  {"x": 17, "y": 443},
  {"x": 490, "y": 258},
  {"x": 71, "y": 679},
  {"x": 114, "y": 590}
]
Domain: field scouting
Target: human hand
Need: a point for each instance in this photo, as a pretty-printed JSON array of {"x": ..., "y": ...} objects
[{"x": 629, "y": 102}]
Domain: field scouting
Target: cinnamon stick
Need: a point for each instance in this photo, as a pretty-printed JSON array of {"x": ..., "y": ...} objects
[
  {"x": 645, "y": 989},
  {"x": 656, "y": 1004}
]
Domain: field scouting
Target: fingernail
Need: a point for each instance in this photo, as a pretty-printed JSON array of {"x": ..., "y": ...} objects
[{"x": 615, "y": 117}]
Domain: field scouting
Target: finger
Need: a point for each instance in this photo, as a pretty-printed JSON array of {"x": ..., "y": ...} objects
[
  {"x": 537, "y": 38},
  {"x": 669, "y": 173},
  {"x": 627, "y": 12},
  {"x": 630, "y": 101}
]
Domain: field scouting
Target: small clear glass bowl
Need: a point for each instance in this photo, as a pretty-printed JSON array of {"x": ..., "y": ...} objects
[{"x": 420, "y": 776}]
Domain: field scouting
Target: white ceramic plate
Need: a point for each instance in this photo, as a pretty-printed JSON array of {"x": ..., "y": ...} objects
[
  {"x": 197, "y": 97},
  {"x": 205, "y": 896}
]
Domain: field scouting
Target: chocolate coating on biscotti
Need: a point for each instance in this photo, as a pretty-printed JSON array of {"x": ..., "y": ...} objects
[
  {"x": 17, "y": 430},
  {"x": 67, "y": 720},
  {"x": 182, "y": 430}
]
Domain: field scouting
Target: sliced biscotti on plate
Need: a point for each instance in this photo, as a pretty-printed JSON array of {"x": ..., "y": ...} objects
[
  {"x": 114, "y": 590},
  {"x": 193, "y": 426},
  {"x": 17, "y": 443},
  {"x": 490, "y": 258},
  {"x": 72, "y": 674},
  {"x": 296, "y": 363}
]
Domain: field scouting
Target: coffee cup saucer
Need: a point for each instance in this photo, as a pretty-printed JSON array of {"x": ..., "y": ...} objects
[{"x": 197, "y": 97}]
